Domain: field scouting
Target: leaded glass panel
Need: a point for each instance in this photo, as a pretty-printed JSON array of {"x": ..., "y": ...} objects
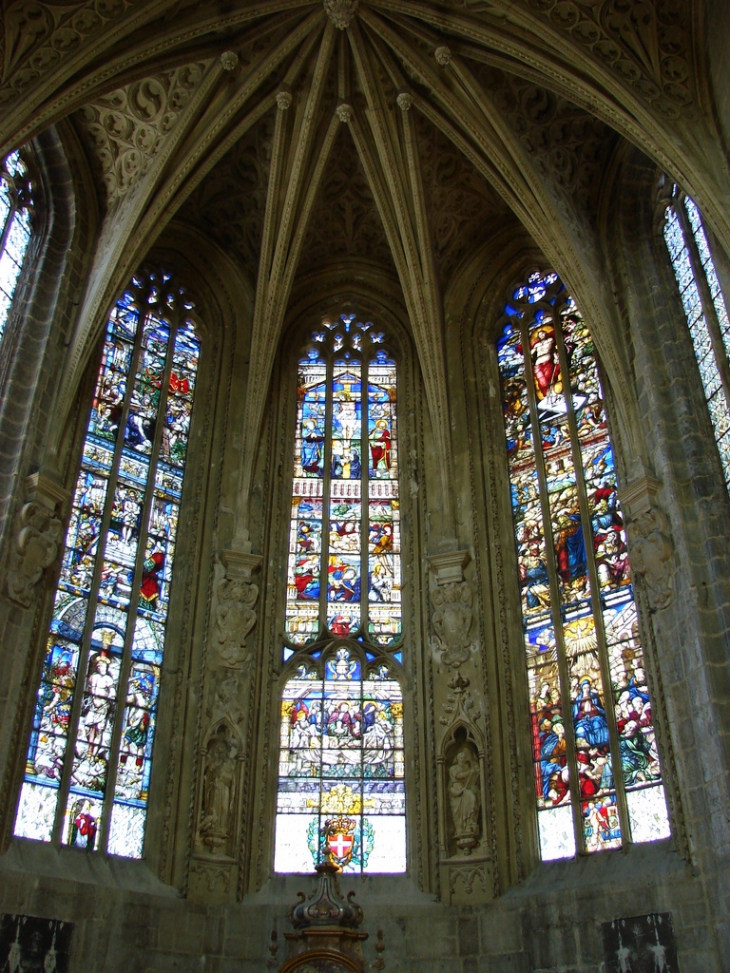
[
  {"x": 341, "y": 769},
  {"x": 706, "y": 312},
  {"x": 589, "y": 704},
  {"x": 90, "y": 752},
  {"x": 16, "y": 211}
]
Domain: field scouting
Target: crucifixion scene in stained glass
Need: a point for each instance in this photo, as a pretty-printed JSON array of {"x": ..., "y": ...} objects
[
  {"x": 341, "y": 795},
  {"x": 344, "y": 569}
]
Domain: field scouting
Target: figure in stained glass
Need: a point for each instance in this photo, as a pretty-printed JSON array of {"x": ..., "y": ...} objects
[
  {"x": 94, "y": 630},
  {"x": 577, "y": 618}
]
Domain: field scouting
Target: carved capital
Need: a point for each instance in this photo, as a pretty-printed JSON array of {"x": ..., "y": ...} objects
[
  {"x": 449, "y": 567},
  {"x": 37, "y": 539},
  {"x": 639, "y": 496}
]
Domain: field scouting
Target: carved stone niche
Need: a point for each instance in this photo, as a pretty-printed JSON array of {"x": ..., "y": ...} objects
[
  {"x": 37, "y": 540},
  {"x": 235, "y": 615},
  {"x": 465, "y": 862},
  {"x": 650, "y": 544},
  {"x": 217, "y": 838}
]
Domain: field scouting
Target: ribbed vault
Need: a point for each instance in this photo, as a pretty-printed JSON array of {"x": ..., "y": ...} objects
[{"x": 296, "y": 132}]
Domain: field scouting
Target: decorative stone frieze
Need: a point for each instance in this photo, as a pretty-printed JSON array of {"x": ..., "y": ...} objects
[
  {"x": 651, "y": 548},
  {"x": 235, "y": 616},
  {"x": 37, "y": 538},
  {"x": 452, "y": 608}
]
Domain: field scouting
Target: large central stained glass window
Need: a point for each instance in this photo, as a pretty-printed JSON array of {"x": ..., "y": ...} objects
[
  {"x": 89, "y": 758},
  {"x": 597, "y": 774},
  {"x": 341, "y": 768}
]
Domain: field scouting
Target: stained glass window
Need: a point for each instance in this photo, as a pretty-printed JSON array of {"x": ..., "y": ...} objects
[
  {"x": 16, "y": 210},
  {"x": 596, "y": 767},
  {"x": 341, "y": 777},
  {"x": 90, "y": 753},
  {"x": 344, "y": 554},
  {"x": 704, "y": 306}
]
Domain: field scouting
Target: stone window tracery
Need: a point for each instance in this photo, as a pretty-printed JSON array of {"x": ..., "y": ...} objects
[
  {"x": 89, "y": 757},
  {"x": 16, "y": 212},
  {"x": 341, "y": 767},
  {"x": 596, "y": 767},
  {"x": 705, "y": 309}
]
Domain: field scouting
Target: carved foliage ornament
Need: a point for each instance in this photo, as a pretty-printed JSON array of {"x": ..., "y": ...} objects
[
  {"x": 235, "y": 618},
  {"x": 37, "y": 539},
  {"x": 646, "y": 44},
  {"x": 127, "y": 128},
  {"x": 451, "y": 619},
  {"x": 652, "y": 556},
  {"x": 341, "y": 12}
]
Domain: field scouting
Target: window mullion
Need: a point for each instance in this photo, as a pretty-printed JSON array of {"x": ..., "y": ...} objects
[
  {"x": 364, "y": 496},
  {"x": 326, "y": 478},
  {"x": 585, "y": 516},
  {"x": 126, "y": 665},
  {"x": 554, "y": 592},
  {"x": 93, "y": 597}
]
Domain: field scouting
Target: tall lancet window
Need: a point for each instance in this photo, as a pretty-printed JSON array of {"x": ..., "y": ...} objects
[
  {"x": 341, "y": 768},
  {"x": 16, "y": 210},
  {"x": 596, "y": 768},
  {"x": 89, "y": 757},
  {"x": 704, "y": 306}
]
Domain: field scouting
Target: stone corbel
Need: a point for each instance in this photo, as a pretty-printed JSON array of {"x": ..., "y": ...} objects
[
  {"x": 235, "y": 614},
  {"x": 37, "y": 538},
  {"x": 651, "y": 547},
  {"x": 452, "y": 608}
]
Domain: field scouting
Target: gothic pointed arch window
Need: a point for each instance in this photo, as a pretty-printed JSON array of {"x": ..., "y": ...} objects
[
  {"x": 16, "y": 212},
  {"x": 706, "y": 311},
  {"x": 596, "y": 768},
  {"x": 89, "y": 756},
  {"x": 341, "y": 794}
]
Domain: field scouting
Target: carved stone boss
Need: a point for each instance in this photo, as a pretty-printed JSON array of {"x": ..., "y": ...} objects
[
  {"x": 452, "y": 614},
  {"x": 37, "y": 539},
  {"x": 235, "y": 615},
  {"x": 651, "y": 548}
]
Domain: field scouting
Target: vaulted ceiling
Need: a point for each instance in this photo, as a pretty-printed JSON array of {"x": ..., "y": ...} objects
[{"x": 403, "y": 133}]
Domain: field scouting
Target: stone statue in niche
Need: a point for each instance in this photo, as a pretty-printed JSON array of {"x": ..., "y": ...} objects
[
  {"x": 218, "y": 793},
  {"x": 235, "y": 618},
  {"x": 652, "y": 556},
  {"x": 464, "y": 791}
]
